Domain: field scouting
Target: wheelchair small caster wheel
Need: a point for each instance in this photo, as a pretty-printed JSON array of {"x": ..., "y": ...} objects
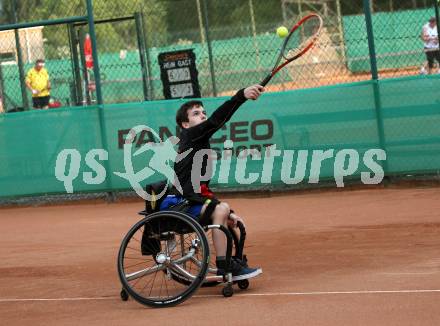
[
  {"x": 124, "y": 295},
  {"x": 228, "y": 291},
  {"x": 243, "y": 284}
]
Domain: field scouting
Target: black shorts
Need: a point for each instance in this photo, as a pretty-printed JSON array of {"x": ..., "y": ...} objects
[
  {"x": 40, "y": 102},
  {"x": 431, "y": 56}
]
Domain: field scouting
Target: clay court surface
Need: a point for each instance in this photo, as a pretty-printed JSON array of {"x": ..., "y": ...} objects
[{"x": 359, "y": 257}]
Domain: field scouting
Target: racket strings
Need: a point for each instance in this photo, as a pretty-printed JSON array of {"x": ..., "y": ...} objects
[{"x": 302, "y": 37}]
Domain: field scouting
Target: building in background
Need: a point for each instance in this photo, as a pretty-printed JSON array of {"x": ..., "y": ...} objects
[{"x": 31, "y": 43}]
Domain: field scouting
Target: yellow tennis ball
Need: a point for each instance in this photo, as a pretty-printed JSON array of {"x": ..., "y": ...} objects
[{"x": 282, "y": 31}]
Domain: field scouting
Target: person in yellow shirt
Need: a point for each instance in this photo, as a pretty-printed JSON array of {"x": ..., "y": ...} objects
[{"x": 37, "y": 81}]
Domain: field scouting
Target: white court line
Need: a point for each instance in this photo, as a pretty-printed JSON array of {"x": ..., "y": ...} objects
[
  {"x": 240, "y": 295},
  {"x": 57, "y": 299},
  {"x": 323, "y": 293},
  {"x": 408, "y": 273}
]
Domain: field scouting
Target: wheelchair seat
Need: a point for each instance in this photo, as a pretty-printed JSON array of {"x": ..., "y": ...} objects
[{"x": 154, "y": 189}]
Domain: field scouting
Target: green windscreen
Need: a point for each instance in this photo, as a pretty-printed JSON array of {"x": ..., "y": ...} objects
[{"x": 400, "y": 115}]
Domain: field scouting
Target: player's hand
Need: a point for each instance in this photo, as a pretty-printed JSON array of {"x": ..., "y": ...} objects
[
  {"x": 253, "y": 92},
  {"x": 34, "y": 91},
  {"x": 233, "y": 219}
]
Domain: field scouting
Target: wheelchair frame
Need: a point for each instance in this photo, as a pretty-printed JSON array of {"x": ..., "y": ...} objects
[{"x": 162, "y": 249}]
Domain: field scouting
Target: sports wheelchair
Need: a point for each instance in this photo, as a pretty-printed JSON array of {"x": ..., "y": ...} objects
[{"x": 165, "y": 257}]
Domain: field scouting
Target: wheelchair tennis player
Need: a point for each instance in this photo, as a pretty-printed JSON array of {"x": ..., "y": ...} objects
[{"x": 200, "y": 202}]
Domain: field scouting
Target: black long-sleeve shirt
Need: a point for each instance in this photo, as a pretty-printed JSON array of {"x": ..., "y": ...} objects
[{"x": 197, "y": 138}]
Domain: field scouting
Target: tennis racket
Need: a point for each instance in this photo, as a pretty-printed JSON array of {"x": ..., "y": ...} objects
[{"x": 301, "y": 38}]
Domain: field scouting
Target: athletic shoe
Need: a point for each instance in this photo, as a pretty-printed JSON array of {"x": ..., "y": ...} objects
[
  {"x": 245, "y": 273},
  {"x": 239, "y": 269}
]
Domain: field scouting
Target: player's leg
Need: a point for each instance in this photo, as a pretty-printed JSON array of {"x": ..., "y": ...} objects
[
  {"x": 430, "y": 58},
  {"x": 239, "y": 271},
  {"x": 35, "y": 103},
  {"x": 219, "y": 216},
  {"x": 45, "y": 102},
  {"x": 437, "y": 58}
]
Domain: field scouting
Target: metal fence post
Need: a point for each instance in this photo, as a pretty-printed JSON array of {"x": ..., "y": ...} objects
[
  {"x": 376, "y": 89},
  {"x": 73, "y": 41},
  {"x": 208, "y": 41},
  {"x": 436, "y": 16},
  {"x": 91, "y": 22},
  {"x": 92, "y": 33},
  {"x": 2, "y": 92},
  {"x": 142, "y": 53},
  {"x": 21, "y": 70},
  {"x": 20, "y": 60},
  {"x": 147, "y": 56},
  {"x": 370, "y": 37}
]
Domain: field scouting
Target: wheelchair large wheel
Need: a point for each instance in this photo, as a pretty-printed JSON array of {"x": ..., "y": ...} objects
[{"x": 163, "y": 259}]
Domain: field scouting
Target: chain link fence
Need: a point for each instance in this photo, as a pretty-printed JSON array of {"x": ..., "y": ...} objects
[
  {"x": 21, "y": 47},
  {"x": 399, "y": 46},
  {"x": 234, "y": 43}
]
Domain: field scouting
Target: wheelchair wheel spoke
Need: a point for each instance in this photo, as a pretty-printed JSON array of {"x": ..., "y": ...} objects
[
  {"x": 166, "y": 286},
  {"x": 134, "y": 265},
  {"x": 144, "y": 272}
]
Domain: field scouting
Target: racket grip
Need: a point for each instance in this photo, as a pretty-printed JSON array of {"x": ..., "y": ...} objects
[{"x": 266, "y": 80}]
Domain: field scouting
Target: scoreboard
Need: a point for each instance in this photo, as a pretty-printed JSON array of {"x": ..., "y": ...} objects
[{"x": 179, "y": 74}]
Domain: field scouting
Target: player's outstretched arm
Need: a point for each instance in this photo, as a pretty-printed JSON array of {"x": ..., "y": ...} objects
[{"x": 207, "y": 128}]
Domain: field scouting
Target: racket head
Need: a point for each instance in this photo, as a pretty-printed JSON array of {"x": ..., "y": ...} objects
[{"x": 302, "y": 37}]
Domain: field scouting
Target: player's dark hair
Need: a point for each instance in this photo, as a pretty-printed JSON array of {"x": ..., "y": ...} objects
[
  {"x": 39, "y": 61},
  {"x": 182, "y": 113}
]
